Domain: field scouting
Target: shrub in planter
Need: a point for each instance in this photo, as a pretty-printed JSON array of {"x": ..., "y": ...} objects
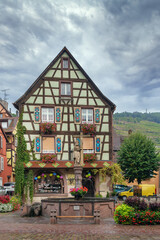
[
  {"x": 136, "y": 203},
  {"x": 124, "y": 214},
  {"x": 6, "y": 207},
  {"x": 4, "y": 199},
  {"x": 16, "y": 202},
  {"x": 154, "y": 206}
]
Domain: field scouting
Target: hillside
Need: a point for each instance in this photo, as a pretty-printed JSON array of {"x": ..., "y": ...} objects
[{"x": 146, "y": 123}]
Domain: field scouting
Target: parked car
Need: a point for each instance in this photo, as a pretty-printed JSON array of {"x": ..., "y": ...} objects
[
  {"x": 3, "y": 191},
  {"x": 9, "y": 186},
  {"x": 117, "y": 188}
]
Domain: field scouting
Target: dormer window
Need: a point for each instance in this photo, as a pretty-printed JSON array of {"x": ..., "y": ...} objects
[
  {"x": 65, "y": 63},
  {"x": 66, "y": 89}
]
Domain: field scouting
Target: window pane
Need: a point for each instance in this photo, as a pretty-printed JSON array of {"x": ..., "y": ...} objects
[
  {"x": 62, "y": 89},
  {"x": 84, "y": 111},
  {"x": 47, "y": 114},
  {"x": 65, "y": 89},
  {"x": 4, "y": 124},
  {"x": 88, "y": 150},
  {"x": 65, "y": 63},
  {"x": 68, "y": 89},
  {"x": 87, "y": 115},
  {"x": 90, "y": 111}
]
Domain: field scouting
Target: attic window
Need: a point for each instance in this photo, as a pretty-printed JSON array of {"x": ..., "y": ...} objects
[
  {"x": 65, "y": 63},
  {"x": 4, "y": 124}
]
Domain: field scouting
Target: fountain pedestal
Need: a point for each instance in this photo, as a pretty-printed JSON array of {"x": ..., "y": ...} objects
[{"x": 78, "y": 176}]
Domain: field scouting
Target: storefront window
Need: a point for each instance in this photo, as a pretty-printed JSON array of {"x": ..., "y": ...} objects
[{"x": 48, "y": 182}]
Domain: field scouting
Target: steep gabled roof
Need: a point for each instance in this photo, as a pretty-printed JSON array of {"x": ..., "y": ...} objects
[
  {"x": 3, "y": 133},
  {"x": 10, "y": 115},
  {"x": 23, "y": 98}
]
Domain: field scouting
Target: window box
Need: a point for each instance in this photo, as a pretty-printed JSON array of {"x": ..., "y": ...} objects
[
  {"x": 88, "y": 128},
  {"x": 89, "y": 157},
  {"x": 48, "y": 127},
  {"x": 49, "y": 157}
]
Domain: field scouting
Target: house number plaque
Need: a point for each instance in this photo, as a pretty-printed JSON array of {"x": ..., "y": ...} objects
[{"x": 76, "y": 208}]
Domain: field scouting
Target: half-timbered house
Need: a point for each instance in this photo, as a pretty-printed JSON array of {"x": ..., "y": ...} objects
[
  {"x": 5, "y": 169},
  {"x": 62, "y": 103},
  {"x": 9, "y": 123}
]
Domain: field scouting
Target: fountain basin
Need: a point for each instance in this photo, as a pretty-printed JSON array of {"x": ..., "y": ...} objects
[{"x": 82, "y": 207}]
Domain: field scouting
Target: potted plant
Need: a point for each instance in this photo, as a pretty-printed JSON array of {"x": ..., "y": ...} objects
[
  {"x": 78, "y": 192},
  {"x": 88, "y": 128},
  {"x": 49, "y": 157},
  {"x": 48, "y": 127},
  {"x": 89, "y": 157}
]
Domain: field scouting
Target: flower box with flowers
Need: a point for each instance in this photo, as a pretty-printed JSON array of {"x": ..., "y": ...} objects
[
  {"x": 89, "y": 157},
  {"x": 88, "y": 128},
  {"x": 47, "y": 127},
  {"x": 49, "y": 157},
  {"x": 78, "y": 192}
]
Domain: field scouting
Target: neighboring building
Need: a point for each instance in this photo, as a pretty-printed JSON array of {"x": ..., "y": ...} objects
[
  {"x": 117, "y": 141},
  {"x": 65, "y": 97},
  {"x": 5, "y": 169},
  {"x": 9, "y": 124}
]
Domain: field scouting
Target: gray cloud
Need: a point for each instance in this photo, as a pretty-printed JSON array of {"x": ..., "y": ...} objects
[{"x": 116, "y": 42}]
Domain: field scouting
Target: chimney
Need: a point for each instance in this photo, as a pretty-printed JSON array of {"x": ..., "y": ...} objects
[{"x": 17, "y": 113}]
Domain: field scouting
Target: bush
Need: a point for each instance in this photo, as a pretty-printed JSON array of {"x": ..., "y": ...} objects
[
  {"x": 98, "y": 195},
  {"x": 107, "y": 196},
  {"x": 6, "y": 207},
  {"x": 136, "y": 203},
  {"x": 4, "y": 199},
  {"x": 146, "y": 218},
  {"x": 154, "y": 206},
  {"x": 124, "y": 214},
  {"x": 16, "y": 202},
  {"x": 113, "y": 193}
]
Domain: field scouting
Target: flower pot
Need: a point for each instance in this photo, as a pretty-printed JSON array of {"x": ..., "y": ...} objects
[{"x": 78, "y": 197}]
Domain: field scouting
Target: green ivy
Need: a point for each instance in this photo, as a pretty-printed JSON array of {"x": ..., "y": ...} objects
[
  {"x": 22, "y": 157},
  {"x": 29, "y": 186},
  {"x": 32, "y": 151},
  {"x": 114, "y": 171}
]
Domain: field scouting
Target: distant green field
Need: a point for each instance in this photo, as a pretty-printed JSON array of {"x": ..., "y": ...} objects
[{"x": 151, "y": 129}]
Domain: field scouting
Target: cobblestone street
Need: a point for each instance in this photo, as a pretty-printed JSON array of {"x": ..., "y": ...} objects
[{"x": 14, "y": 227}]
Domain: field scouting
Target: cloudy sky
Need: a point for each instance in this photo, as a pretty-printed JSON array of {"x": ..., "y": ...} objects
[{"x": 117, "y": 42}]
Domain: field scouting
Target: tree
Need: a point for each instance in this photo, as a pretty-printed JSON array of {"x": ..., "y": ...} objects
[{"x": 138, "y": 158}]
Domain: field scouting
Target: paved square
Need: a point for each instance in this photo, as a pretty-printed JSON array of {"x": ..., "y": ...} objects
[{"x": 14, "y": 227}]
